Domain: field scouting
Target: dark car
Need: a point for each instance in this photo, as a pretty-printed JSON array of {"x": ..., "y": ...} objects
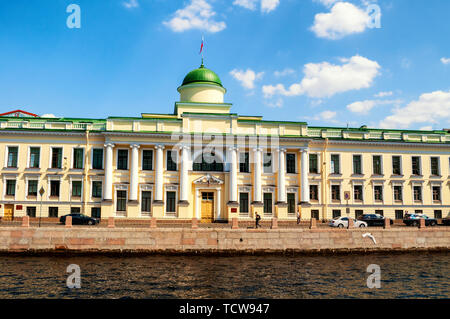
[
  {"x": 80, "y": 219},
  {"x": 446, "y": 220},
  {"x": 373, "y": 220},
  {"x": 414, "y": 220}
]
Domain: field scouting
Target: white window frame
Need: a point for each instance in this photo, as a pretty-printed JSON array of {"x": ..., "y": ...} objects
[
  {"x": 249, "y": 163},
  {"x": 176, "y": 162},
  {"x": 382, "y": 165},
  {"x": 295, "y": 163},
  {"x": 7, "y": 177},
  {"x": 30, "y": 178},
  {"x": 319, "y": 170},
  {"x": 420, "y": 166},
  {"x": 76, "y": 179},
  {"x": 353, "y": 165},
  {"x": 146, "y": 188},
  {"x": 117, "y": 159},
  {"x": 72, "y": 159},
  {"x": 170, "y": 188},
  {"x": 272, "y": 170},
  {"x": 413, "y": 184},
  {"x": 435, "y": 184},
  {"x": 439, "y": 166},
  {"x": 401, "y": 165},
  {"x": 50, "y": 179},
  {"x": 29, "y": 157},
  {"x": 51, "y": 156},
  {"x": 341, "y": 194},
  {"x": 7, "y": 153},
  {"x": 358, "y": 183},
  {"x": 319, "y": 193},
  {"x": 92, "y": 159},
  {"x": 121, "y": 187},
  {"x": 153, "y": 160},
  {"x": 340, "y": 164},
  {"x": 383, "y": 199},
  {"x": 268, "y": 190},
  {"x": 398, "y": 183},
  {"x": 96, "y": 179},
  {"x": 294, "y": 190}
]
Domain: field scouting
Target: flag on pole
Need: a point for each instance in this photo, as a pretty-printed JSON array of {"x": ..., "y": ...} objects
[{"x": 201, "y": 47}]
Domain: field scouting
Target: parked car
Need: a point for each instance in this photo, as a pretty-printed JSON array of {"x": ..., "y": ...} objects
[
  {"x": 342, "y": 222},
  {"x": 80, "y": 219},
  {"x": 446, "y": 220},
  {"x": 414, "y": 220},
  {"x": 373, "y": 219}
]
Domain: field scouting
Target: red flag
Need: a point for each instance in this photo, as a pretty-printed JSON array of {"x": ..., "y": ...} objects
[{"x": 201, "y": 47}]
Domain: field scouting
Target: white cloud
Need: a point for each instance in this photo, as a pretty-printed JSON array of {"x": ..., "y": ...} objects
[
  {"x": 248, "y": 4},
  {"x": 327, "y": 3},
  {"x": 363, "y": 107},
  {"x": 48, "y": 116},
  {"x": 284, "y": 72},
  {"x": 384, "y": 94},
  {"x": 275, "y": 104},
  {"x": 445, "y": 61},
  {"x": 247, "y": 78},
  {"x": 426, "y": 128},
  {"x": 198, "y": 14},
  {"x": 344, "y": 19},
  {"x": 328, "y": 115},
  {"x": 269, "y": 5},
  {"x": 266, "y": 5},
  {"x": 130, "y": 4},
  {"x": 429, "y": 108},
  {"x": 325, "y": 79}
]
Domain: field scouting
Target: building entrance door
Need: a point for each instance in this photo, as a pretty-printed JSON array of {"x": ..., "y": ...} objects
[
  {"x": 8, "y": 213},
  {"x": 207, "y": 207}
]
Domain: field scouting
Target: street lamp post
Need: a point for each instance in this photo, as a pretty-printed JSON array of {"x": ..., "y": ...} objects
[{"x": 41, "y": 192}]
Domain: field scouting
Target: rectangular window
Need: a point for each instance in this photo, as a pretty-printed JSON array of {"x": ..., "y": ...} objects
[
  {"x": 290, "y": 163},
  {"x": 417, "y": 190},
  {"x": 313, "y": 164},
  {"x": 56, "y": 157},
  {"x": 53, "y": 212},
  {"x": 146, "y": 202},
  {"x": 336, "y": 213},
  {"x": 78, "y": 158},
  {"x": 378, "y": 193},
  {"x": 398, "y": 193},
  {"x": 438, "y": 214},
  {"x": 379, "y": 212},
  {"x": 32, "y": 187},
  {"x": 34, "y": 157},
  {"x": 172, "y": 160},
  {"x": 291, "y": 203},
  {"x": 377, "y": 165},
  {"x": 96, "y": 189},
  {"x": 243, "y": 203},
  {"x": 335, "y": 165},
  {"x": 358, "y": 213},
  {"x": 435, "y": 166},
  {"x": 416, "y": 165},
  {"x": 75, "y": 210},
  {"x": 315, "y": 214},
  {"x": 336, "y": 192},
  {"x": 54, "y": 188},
  {"x": 97, "y": 158},
  {"x": 399, "y": 214},
  {"x": 314, "y": 192},
  {"x": 12, "y": 156},
  {"x": 76, "y": 188},
  {"x": 267, "y": 203},
  {"x": 417, "y": 211},
  {"x": 170, "y": 202},
  {"x": 244, "y": 163},
  {"x": 147, "y": 160},
  {"x": 31, "y": 211},
  {"x": 267, "y": 162},
  {"x": 122, "y": 159},
  {"x": 357, "y": 164},
  {"x": 358, "y": 192},
  {"x": 10, "y": 187},
  {"x": 436, "y": 193},
  {"x": 121, "y": 201},
  {"x": 396, "y": 165},
  {"x": 96, "y": 212}
]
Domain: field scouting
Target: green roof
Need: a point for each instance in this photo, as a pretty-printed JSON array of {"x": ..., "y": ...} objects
[{"x": 202, "y": 75}]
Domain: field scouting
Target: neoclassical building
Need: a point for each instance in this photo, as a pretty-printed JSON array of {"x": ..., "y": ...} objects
[{"x": 203, "y": 161}]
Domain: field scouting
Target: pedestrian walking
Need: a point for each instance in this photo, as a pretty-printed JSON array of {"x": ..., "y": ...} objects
[
  {"x": 258, "y": 218},
  {"x": 299, "y": 217}
]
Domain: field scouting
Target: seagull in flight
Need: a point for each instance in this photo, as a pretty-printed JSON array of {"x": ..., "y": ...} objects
[{"x": 370, "y": 236}]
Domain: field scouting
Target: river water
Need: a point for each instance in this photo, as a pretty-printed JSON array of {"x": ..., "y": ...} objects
[{"x": 414, "y": 275}]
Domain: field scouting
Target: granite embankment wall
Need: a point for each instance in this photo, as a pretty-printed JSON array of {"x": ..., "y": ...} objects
[{"x": 235, "y": 241}]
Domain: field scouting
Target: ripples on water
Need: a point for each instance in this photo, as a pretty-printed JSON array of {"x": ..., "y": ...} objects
[{"x": 424, "y": 275}]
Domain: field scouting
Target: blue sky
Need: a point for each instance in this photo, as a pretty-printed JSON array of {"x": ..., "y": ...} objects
[{"x": 320, "y": 61}]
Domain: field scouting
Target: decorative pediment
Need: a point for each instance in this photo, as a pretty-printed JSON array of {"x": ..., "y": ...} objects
[{"x": 208, "y": 180}]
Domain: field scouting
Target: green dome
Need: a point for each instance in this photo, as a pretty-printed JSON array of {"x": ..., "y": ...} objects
[{"x": 202, "y": 74}]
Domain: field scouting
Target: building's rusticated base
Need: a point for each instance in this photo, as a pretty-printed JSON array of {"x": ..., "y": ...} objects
[{"x": 219, "y": 241}]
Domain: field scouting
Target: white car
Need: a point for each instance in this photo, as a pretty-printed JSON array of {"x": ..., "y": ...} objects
[{"x": 342, "y": 222}]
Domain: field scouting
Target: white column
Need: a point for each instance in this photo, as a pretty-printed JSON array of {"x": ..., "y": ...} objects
[
  {"x": 134, "y": 172},
  {"x": 282, "y": 175},
  {"x": 304, "y": 177},
  {"x": 233, "y": 174},
  {"x": 257, "y": 185},
  {"x": 184, "y": 176},
  {"x": 159, "y": 173},
  {"x": 219, "y": 201},
  {"x": 108, "y": 187}
]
